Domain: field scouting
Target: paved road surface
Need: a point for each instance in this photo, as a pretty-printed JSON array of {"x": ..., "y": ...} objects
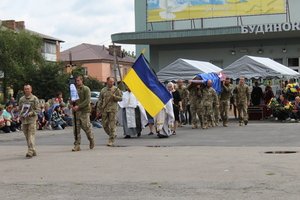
[{"x": 220, "y": 163}]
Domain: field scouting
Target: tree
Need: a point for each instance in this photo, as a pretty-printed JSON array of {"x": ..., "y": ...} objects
[
  {"x": 129, "y": 53},
  {"x": 49, "y": 79},
  {"x": 20, "y": 56}
]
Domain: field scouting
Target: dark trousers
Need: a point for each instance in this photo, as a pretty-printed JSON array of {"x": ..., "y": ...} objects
[{"x": 188, "y": 114}]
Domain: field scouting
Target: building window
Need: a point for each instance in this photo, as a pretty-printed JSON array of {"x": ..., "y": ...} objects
[
  {"x": 279, "y": 60},
  {"x": 49, "y": 48},
  {"x": 293, "y": 62}
]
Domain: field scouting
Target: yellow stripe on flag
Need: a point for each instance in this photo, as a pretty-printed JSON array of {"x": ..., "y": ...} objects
[{"x": 147, "y": 98}]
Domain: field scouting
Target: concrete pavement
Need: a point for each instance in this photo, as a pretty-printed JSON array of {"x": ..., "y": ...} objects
[{"x": 149, "y": 168}]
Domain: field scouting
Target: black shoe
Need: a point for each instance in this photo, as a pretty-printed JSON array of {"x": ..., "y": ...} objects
[
  {"x": 127, "y": 137},
  {"x": 245, "y": 122},
  {"x": 161, "y": 136},
  {"x": 151, "y": 133},
  {"x": 139, "y": 135}
]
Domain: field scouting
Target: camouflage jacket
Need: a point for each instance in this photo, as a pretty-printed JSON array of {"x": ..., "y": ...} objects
[
  {"x": 226, "y": 92},
  {"x": 29, "y": 107},
  {"x": 241, "y": 94},
  {"x": 210, "y": 97},
  {"x": 84, "y": 100},
  {"x": 108, "y": 99},
  {"x": 195, "y": 96}
]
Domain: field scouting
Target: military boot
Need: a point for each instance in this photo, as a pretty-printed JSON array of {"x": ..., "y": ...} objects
[
  {"x": 34, "y": 153},
  {"x": 29, "y": 154},
  {"x": 225, "y": 124},
  {"x": 205, "y": 126},
  {"x": 195, "y": 126},
  {"x": 111, "y": 142},
  {"x": 92, "y": 143},
  {"x": 76, "y": 148}
]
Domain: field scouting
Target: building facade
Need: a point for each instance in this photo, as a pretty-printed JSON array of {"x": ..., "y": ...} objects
[
  {"x": 51, "y": 45},
  {"x": 98, "y": 61},
  {"x": 219, "y": 40}
]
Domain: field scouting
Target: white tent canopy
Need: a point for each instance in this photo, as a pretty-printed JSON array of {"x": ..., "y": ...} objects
[
  {"x": 258, "y": 67},
  {"x": 185, "y": 69}
]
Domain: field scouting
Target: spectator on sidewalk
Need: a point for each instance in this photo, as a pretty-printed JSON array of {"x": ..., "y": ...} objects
[
  {"x": 3, "y": 126},
  {"x": 56, "y": 120},
  {"x": 8, "y": 117}
]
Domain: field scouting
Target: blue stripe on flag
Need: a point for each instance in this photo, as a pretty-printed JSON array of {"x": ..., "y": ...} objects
[{"x": 150, "y": 80}]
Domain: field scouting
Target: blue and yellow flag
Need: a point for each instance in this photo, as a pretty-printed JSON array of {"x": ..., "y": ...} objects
[{"x": 146, "y": 87}]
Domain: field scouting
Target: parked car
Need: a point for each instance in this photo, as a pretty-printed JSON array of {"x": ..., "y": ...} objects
[{"x": 94, "y": 96}]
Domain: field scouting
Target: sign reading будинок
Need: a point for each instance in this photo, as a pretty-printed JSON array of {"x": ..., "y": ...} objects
[{"x": 267, "y": 28}]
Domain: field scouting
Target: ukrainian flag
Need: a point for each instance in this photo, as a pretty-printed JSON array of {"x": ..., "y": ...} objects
[{"x": 143, "y": 83}]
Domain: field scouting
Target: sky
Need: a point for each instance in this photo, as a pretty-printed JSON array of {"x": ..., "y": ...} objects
[{"x": 73, "y": 21}]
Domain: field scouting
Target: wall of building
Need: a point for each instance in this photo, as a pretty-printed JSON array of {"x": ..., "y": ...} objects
[
  {"x": 223, "y": 54},
  {"x": 141, "y": 19},
  {"x": 220, "y": 54},
  {"x": 101, "y": 71},
  {"x": 141, "y": 24}
]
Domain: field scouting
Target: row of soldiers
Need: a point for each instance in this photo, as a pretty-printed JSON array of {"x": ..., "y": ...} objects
[{"x": 208, "y": 107}]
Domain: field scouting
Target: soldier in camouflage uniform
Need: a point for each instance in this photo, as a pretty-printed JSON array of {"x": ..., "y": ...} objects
[
  {"x": 225, "y": 100},
  {"x": 195, "y": 96},
  {"x": 209, "y": 99},
  {"x": 82, "y": 112},
  {"x": 184, "y": 94},
  {"x": 29, "y": 105},
  {"x": 216, "y": 111},
  {"x": 108, "y": 107},
  {"x": 242, "y": 101}
]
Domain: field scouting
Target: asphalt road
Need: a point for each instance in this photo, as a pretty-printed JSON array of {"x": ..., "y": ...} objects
[
  {"x": 219, "y": 163},
  {"x": 255, "y": 134}
]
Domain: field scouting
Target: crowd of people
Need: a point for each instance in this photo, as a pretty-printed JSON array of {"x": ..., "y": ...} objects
[{"x": 196, "y": 103}]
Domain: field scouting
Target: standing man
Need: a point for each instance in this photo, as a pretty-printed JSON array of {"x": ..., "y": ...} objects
[
  {"x": 184, "y": 94},
  {"x": 225, "y": 100},
  {"x": 242, "y": 101},
  {"x": 29, "y": 105},
  {"x": 195, "y": 97},
  {"x": 257, "y": 95},
  {"x": 82, "y": 112},
  {"x": 210, "y": 99},
  {"x": 108, "y": 106}
]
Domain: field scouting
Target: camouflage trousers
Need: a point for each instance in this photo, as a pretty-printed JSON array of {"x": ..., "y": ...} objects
[
  {"x": 196, "y": 111},
  {"x": 82, "y": 122},
  {"x": 242, "y": 109},
  {"x": 216, "y": 115},
  {"x": 208, "y": 114},
  {"x": 109, "y": 124},
  {"x": 224, "y": 106},
  {"x": 29, "y": 132}
]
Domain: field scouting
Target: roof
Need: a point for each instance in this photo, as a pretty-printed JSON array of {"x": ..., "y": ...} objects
[
  {"x": 84, "y": 52},
  {"x": 185, "y": 69},
  {"x": 258, "y": 67},
  {"x": 46, "y": 37}
]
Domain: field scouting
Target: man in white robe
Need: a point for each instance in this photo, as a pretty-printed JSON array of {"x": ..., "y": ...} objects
[
  {"x": 132, "y": 116},
  {"x": 164, "y": 121}
]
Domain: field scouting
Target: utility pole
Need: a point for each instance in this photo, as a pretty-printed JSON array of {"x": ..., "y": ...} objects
[{"x": 115, "y": 64}]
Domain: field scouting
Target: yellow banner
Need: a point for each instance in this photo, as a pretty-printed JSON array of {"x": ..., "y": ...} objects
[{"x": 166, "y": 10}]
